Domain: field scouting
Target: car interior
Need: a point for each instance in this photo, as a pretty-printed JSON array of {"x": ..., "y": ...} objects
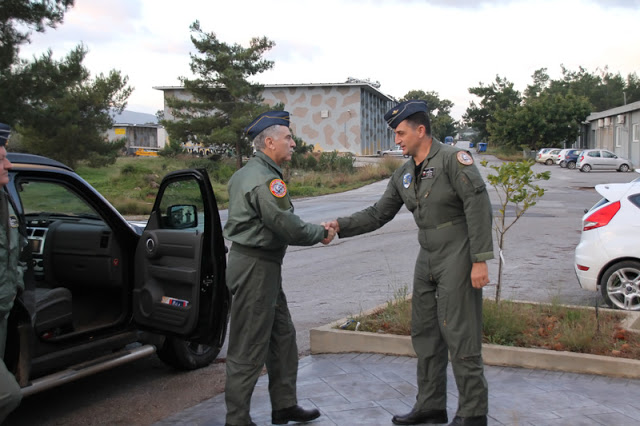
[{"x": 76, "y": 262}]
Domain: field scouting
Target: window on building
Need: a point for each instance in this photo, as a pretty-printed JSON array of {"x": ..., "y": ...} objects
[
  {"x": 636, "y": 132},
  {"x": 618, "y": 141}
]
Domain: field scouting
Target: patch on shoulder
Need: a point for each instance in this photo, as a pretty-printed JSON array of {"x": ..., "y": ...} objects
[
  {"x": 13, "y": 221},
  {"x": 464, "y": 158},
  {"x": 278, "y": 188}
]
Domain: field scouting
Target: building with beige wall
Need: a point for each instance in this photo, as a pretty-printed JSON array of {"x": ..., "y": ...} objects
[{"x": 343, "y": 117}]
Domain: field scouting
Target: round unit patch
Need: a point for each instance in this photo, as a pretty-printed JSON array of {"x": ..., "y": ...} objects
[
  {"x": 406, "y": 180},
  {"x": 464, "y": 158},
  {"x": 13, "y": 221},
  {"x": 278, "y": 188}
]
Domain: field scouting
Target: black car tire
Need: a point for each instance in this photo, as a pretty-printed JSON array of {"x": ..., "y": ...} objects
[
  {"x": 571, "y": 165},
  {"x": 548, "y": 162},
  {"x": 563, "y": 164},
  {"x": 185, "y": 355},
  {"x": 624, "y": 168},
  {"x": 586, "y": 168},
  {"x": 630, "y": 270}
]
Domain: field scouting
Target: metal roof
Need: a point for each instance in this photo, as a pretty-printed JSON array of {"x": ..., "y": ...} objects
[{"x": 614, "y": 111}]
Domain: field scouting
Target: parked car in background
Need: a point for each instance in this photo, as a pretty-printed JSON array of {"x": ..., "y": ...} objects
[
  {"x": 601, "y": 159},
  {"x": 608, "y": 255},
  {"x": 562, "y": 157},
  {"x": 396, "y": 151},
  {"x": 103, "y": 291},
  {"x": 547, "y": 155},
  {"x": 448, "y": 140},
  {"x": 571, "y": 159}
]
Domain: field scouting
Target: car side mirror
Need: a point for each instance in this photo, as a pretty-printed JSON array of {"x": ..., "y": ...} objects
[{"x": 181, "y": 216}]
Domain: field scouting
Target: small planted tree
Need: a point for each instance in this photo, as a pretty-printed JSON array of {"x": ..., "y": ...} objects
[{"x": 514, "y": 184}]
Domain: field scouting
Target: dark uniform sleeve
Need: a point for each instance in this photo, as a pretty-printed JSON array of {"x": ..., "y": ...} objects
[
  {"x": 472, "y": 190},
  {"x": 277, "y": 215},
  {"x": 373, "y": 217}
]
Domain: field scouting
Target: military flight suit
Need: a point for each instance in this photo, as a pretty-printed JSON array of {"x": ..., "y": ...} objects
[
  {"x": 11, "y": 274},
  {"x": 261, "y": 224},
  {"x": 451, "y": 207}
]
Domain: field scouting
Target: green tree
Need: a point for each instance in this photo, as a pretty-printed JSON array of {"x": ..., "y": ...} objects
[
  {"x": 499, "y": 95},
  {"x": 442, "y": 124},
  {"x": 514, "y": 184},
  {"x": 224, "y": 102},
  {"x": 18, "y": 18},
  {"x": 68, "y": 118},
  {"x": 544, "y": 120}
]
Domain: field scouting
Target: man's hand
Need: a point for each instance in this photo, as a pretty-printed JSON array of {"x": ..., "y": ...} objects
[
  {"x": 479, "y": 274},
  {"x": 330, "y": 236},
  {"x": 335, "y": 225}
]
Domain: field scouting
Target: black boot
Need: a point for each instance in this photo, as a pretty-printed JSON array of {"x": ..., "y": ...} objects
[
  {"x": 419, "y": 417},
  {"x": 469, "y": 421},
  {"x": 293, "y": 414}
]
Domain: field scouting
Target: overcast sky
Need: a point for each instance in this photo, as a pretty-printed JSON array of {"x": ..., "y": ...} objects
[{"x": 444, "y": 46}]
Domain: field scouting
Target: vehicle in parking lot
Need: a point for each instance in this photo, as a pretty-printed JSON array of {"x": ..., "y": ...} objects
[
  {"x": 567, "y": 155},
  {"x": 608, "y": 255},
  {"x": 396, "y": 151},
  {"x": 601, "y": 159},
  {"x": 102, "y": 291},
  {"x": 547, "y": 155}
]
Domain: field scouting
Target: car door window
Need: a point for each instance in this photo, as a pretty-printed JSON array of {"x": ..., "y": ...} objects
[
  {"x": 607, "y": 154},
  {"x": 635, "y": 199},
  {"x": 595, "y": 154},
  {"x": 52, "y": 198}
]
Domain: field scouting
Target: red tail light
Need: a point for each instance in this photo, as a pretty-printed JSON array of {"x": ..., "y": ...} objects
[
  {"x": 601, "y": 217},
  {"x": 581, "y": 159}
]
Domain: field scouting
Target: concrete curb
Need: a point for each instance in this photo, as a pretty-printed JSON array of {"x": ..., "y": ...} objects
[{"x": 328, "y": 339}]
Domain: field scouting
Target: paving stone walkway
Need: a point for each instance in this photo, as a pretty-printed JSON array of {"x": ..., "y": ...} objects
[{"x": 367, "y": 389}]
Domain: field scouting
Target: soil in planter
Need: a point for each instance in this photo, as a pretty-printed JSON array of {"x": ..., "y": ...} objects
[{"x": 551, "y": 326}]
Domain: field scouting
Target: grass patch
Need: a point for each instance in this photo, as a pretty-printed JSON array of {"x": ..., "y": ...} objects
[
  {"x": 552, "y": 326},
  {"x": 131, "y": 184}
]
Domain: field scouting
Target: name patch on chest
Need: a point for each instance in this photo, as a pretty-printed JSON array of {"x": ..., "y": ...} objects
[
  {"x": 278, "y": 188},
  {"x": 406, "y": 180},
  {"x": 428, "y": 173}
]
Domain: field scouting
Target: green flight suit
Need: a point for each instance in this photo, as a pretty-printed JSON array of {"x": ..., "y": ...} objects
[
  {"x": 11, "y": 273},
  {"x": 261, "y": 224},
  {"x": 451, "y": 207}
]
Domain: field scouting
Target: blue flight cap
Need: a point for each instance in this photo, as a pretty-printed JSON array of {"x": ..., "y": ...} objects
[
  {"x": 398, "y": 113},
  {"x": 5, "y": 132},
  {"x": 267, "y": 119}
]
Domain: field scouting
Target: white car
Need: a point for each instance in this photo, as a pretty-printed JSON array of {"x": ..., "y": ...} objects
[
  {"x": 396, "y": 151},
  {"x": 608, "y": 255},
  {"x": 547, "y": 155}
]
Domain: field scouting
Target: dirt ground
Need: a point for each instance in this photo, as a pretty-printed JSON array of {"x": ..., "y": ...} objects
[{"x": 140, "y": 393}]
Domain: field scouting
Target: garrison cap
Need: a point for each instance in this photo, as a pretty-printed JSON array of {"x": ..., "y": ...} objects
[
  {"x": 267, "y": 119},
  {"x": 5, "y": 132},
  {"x": 400, "y": 112}
]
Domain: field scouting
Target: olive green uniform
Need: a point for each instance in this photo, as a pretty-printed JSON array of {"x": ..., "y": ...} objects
[
  {"x": 11, "y": 273},
  {"x": 451, "y": 207},
  {"x": 261, "y": 224}
]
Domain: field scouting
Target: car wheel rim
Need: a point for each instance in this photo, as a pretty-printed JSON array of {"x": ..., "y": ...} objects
[
  {"x": 623, "y": 288},
  {"x": 198, "y": 349}
]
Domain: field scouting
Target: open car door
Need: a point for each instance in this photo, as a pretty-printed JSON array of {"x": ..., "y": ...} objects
[{"x": 179, "y": 287}]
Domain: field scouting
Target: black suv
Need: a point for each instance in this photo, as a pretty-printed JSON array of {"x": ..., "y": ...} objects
[{"x": 102, "y": 291}]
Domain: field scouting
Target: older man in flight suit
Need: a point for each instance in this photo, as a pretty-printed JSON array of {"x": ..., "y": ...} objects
[
  {"x": 443, "y": 189},
  {"x": 261, "y": 225},
  {"x": 11, "y": 273}
]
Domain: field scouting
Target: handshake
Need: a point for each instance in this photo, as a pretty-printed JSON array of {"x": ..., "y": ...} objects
[{"x": 333, "y": 227}]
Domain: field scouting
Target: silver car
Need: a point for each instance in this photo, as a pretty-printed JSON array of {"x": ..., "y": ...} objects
[
  {"x": 396, "y": 151},
  {"x": 601, "y": 159}
]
